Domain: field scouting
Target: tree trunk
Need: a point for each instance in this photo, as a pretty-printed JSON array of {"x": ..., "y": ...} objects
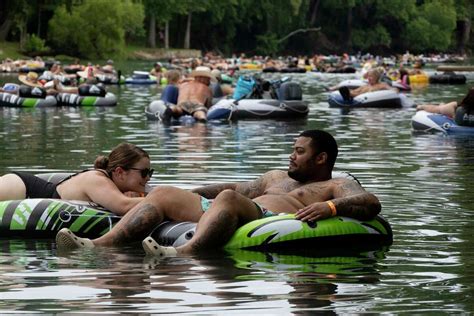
[
  {"x": 187, "y": 36},
  {"x": 152, "y": 31},
  {"x": 23, "y": 33},
  {"x": 347, "y": 40},
  {"x": 38, "y": 31},
  {"x": 314, "y": 6},
  {"x": 463, "y": 31},
  {"x": 5, "y": 29},
  {"x": 167, "y": 34}
]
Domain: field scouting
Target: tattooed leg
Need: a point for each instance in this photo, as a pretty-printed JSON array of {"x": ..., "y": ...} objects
[
  {"x": 229, "y": 211},
  {"x": 133, "y": 226},
  {"x": 162, "y": 203}
]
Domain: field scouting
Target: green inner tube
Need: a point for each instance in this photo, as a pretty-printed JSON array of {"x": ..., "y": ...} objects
[
  {"x": 285, "y": 233},
  {"x": 43, "y": 218}
]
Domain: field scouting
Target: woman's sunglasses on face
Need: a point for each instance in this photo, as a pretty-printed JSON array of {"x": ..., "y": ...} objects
[{"x": 144, "y": 172}]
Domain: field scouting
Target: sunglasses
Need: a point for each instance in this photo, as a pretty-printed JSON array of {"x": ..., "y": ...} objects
[{"x": 144, "y": 172}]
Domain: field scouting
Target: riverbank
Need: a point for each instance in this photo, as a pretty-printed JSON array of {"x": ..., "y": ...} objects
[
  {"x": 143, "y": 53},
  {"x": 12, "y": 50}
]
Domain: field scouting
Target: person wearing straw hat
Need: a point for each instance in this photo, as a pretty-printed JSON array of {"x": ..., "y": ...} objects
[
  {"x": 195, "y": 96},
  {"x": 30, "y": 79}
]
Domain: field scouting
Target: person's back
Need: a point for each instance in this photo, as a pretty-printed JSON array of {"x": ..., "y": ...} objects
[
  {"x": 75, "y": 188},
  {"x": 196, "y": 92},
  {"x": 194, "y": 96},
  {"x": 170, "y": 94}
]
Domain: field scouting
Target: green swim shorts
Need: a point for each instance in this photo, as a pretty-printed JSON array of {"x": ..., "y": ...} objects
[{"x": 206, "y": 204}]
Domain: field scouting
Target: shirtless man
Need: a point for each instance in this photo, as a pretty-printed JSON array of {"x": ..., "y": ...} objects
[
  {"x": 195, "y": 96},
  {"x": 109, "y": 67},
  {"x": 374, "y": 84},
  {"x": 307, "y": 190}
]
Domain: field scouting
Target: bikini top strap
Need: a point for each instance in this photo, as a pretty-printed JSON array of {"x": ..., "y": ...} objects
[
  {"x": 70, "y": 176},
  {"x": 85, "y": 170},
  {"x": 103, "y": 171}
]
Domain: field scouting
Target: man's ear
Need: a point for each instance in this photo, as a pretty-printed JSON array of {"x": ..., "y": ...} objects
[{"x": 321, "y": 158}]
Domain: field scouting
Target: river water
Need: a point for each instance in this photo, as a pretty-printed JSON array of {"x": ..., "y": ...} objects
[{"x": 422, "y": 180}]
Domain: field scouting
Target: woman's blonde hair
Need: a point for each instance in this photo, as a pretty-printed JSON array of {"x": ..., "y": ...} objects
[{"x": 376, "y": 73}]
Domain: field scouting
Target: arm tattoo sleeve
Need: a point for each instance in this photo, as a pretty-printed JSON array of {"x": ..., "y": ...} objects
[
  {"x": 352, "y": 200},
  {"x": 251, "y": 189}
]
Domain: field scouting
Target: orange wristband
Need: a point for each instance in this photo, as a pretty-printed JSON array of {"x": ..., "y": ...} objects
[{"x": 332, "y": 207}]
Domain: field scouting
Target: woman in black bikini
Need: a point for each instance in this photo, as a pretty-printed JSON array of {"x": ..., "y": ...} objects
[{"x": 113, "y": 182}]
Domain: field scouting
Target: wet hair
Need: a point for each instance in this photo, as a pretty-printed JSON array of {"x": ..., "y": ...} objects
[
  {"x": 124, "y": 155},
  {"x": 172, "y": 76},
  {"x": 322, "y": 141},
  {"x": 468, "y": 101}
]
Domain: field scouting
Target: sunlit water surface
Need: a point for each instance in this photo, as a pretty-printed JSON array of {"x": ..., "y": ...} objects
[{"x": 424, "y": 182}]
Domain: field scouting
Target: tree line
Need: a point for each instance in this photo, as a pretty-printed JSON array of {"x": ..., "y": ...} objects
[{"x": 103, "y": 28}]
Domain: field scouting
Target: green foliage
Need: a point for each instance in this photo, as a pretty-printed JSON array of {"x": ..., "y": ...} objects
[
  {"x": 102, "y": 28},
  {"x": 162, "y": 10},
  {"x": 401, "y": 10},
  {"x": 464, "y": 9},
  {"x": 91, "y": 32},
  {"x": 433, "y": 28},
  {"x": 34, "y": 44},
  {"x": 364, "y": 39},
  {"x": 267, "y": 44}
]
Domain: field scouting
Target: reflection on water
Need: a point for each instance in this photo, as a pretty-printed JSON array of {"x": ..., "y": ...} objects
[
  {"x": 34, "y": 278},
  {"x": 423, "y": 181}
]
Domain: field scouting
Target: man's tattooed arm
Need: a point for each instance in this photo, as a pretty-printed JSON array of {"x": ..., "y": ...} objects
[
  {"x": 352, "y": 200},
  {"x": 252, "y": 189}
]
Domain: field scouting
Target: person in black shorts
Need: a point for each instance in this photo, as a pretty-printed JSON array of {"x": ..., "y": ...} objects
[{"x": 117, "y": 181}]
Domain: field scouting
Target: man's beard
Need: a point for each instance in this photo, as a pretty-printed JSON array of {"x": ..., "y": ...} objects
[{"x": 298, "y": 175}]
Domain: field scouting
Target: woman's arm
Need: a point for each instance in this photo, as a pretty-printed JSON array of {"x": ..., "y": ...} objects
[{"x": 105, "y": 193}]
